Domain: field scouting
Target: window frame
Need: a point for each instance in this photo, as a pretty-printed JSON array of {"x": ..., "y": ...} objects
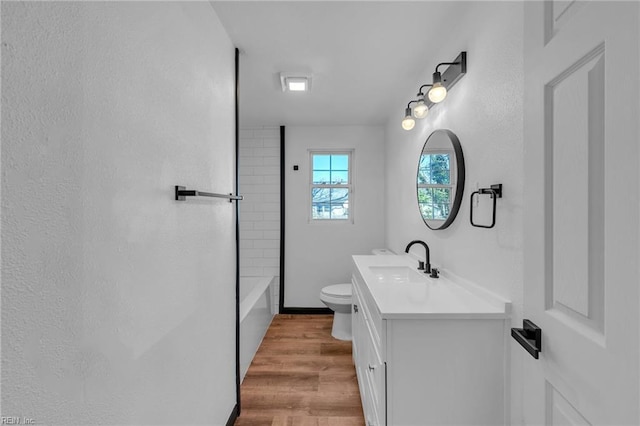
[
  {"x": 453, "y": 173},
  {"x": 350, "y": 153}
]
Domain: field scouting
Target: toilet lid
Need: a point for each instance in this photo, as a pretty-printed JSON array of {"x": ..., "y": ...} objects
[{"x": 338, "y": 290}]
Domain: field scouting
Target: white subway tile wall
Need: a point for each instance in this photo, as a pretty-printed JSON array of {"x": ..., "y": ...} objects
[{"x": 259, "y": 182}]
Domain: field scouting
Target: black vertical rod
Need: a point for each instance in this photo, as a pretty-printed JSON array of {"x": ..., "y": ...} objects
[
  {"x": 282, "y": 173},
  {"x": 237, "y": 118}
]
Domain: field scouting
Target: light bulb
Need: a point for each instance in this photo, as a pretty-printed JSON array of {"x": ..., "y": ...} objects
[
  {"x": 408, "y": 122},
  {"x": 437, "y": 93},
  {"x": 421, "y": 109}
]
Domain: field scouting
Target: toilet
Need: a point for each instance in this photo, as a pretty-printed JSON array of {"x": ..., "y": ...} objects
[{"x": 337, "y": 297}]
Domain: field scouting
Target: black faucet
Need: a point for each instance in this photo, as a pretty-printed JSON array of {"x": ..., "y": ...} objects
[{"x": 427, "y": 263}]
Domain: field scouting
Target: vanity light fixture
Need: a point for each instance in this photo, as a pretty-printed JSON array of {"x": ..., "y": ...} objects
[
  {"x": 408, "y": 122},
  {"x": 442, "y": 82}
]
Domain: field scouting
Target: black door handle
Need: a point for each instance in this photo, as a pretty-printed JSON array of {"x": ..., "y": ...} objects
[{"x": 529, "y": 336}]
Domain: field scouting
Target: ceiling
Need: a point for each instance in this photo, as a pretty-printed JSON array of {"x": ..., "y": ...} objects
[{"x": 366, "y": 58}]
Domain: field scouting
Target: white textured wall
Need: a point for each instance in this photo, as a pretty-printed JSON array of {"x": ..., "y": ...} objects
[
  {"x": 485, "y": 111},
  {"x": 318, "y": 254},
  {"x": 259, "y": 180},
  {"x": 117, "y": 301}
]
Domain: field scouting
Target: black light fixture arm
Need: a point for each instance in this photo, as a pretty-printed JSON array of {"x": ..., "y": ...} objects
[
  {"x": 447, "y": 63},
  {"x": 420, "y": 93},
  {"x": 411, "y": 102}
]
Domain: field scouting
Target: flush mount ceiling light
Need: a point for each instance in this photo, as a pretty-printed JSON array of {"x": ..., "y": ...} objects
[
  {"x": 295, "y": 82},
  {"x": 442, "y": 82}
]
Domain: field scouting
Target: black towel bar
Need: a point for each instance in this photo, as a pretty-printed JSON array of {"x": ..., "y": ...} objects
[{"x": 182, "y": 193}]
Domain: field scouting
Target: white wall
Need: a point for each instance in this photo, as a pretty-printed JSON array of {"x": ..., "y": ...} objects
[
  {"x": 485, "y": 111},
  {"x": 117, "y": 301},
  {"x": 259, "y": 180},
  {"x": 319, "y": 254}
]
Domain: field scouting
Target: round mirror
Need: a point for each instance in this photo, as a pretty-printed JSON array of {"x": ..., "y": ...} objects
[{"x": 440, "y": 181}]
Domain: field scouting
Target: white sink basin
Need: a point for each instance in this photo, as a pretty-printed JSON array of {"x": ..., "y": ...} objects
[
  {"x": 397, "y": 275},
  {"x": 401, "y": 291}
]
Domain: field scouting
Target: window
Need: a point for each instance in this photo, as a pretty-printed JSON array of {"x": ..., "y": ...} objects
[
  {"x": 331, "y": 186},
  {"x": 435, "y": 184}
]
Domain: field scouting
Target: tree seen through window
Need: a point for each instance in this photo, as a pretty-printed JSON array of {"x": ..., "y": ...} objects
[{"x": 434, "y": 185}]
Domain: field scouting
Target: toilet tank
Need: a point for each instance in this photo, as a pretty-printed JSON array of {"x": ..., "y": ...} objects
[{"x": 382, "y": 252}]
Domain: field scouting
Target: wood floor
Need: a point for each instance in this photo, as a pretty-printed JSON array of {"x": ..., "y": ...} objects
[{"x": 301, "y": 376}]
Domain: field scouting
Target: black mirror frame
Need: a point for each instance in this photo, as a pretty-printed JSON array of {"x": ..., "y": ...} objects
[{"x": 457, "y": 149}]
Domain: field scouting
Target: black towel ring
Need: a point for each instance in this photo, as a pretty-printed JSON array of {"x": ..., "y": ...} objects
[{"x": 494, "y": 192}]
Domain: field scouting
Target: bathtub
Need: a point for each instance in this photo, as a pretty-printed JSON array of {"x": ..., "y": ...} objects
[{"x": 255, "y": 317}]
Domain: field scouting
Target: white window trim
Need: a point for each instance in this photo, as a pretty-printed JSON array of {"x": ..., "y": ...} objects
[{"x": 350, "y": 186}]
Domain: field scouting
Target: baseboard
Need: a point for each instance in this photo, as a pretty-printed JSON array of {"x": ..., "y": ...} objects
[
  {"x": 306, "y": 311},
  {"x": 233, "y": 416}
]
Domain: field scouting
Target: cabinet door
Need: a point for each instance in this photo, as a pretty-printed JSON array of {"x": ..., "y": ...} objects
[
  {"x": 360, "y": 349},
  {"x": 375, "y": 370},
  {"x": 369, "y": 366}
]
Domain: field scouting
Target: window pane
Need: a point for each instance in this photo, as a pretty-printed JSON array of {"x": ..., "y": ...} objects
[
  {"x": 339, "y": 211},
  {"x": 427, "y": 211},
  {"x": 442, "y": 159},
  {"x": 425, "y": 162},
  {"x": 339, "y": 177},
  {"x": 440, "y": 211},
  {"x": 424, "y": 177},
  {"x": 339, "y": 162},
  {"x": 339, "y": 204},
  {"x": 440, "y": 169},
  {"x": 339, "y": 195},
  {"x": 320, "y": 211},
  {"x": 434, "y": 203},
  {"x": 322, "y": 177},
  {"x": 321, "y": 162},
  {"x": 425, "y": 195},
  {"x": 320, "y": 195},
  {"x": 330, "y": 203},
  {"x": 442, "y": 195},
  {"x": 320, "y": 203}
]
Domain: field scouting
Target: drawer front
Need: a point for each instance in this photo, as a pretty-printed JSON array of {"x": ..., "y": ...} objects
[
  {"x": 358, "y": 327},
  {"x": 373, "y": 316}
]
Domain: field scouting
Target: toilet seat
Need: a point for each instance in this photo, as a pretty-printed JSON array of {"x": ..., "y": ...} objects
[{"x": 337, "y": 293}]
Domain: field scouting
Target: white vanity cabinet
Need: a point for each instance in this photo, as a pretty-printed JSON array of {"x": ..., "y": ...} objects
[
  {"x": 370, "y": 368},
  {"x": 421, "y": 363}
]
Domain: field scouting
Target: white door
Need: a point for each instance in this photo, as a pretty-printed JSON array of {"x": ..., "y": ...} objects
[{"x": 581, "y": 216}]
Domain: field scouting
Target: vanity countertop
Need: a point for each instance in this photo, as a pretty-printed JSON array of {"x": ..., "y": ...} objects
[{"x": 400, "y": 291}]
